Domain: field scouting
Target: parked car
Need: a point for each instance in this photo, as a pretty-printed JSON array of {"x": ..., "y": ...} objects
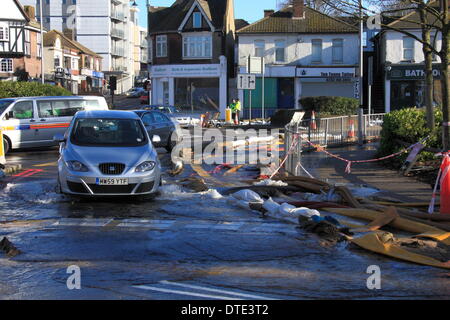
[
  {"x": 144, "y": 98},
  {"x": 108, "y": 153},
  {"x": 158, "y": 123},
  {"x": 135, "y": 92},
  {"x": 30, "y": 122},
  {"x": 181, "y": 118}
]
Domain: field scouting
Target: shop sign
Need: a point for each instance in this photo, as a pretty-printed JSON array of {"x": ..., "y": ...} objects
[
  {"x": 193, "y": 70},
  {"x": 411, "y": 72},
  {"x": 87, "y": 72},
  {"x": 97, "y": 74},
  {"x": 333, "y": 73}
]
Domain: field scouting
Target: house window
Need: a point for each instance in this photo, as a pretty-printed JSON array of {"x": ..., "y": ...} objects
[
  {"x": 4, "y": 32},
  {"x": 6, "y": 65},
  {"x": 316, "y": 51},
  {"x": 197, "y": 16},
  {"x": 74, "y": 64},
  {"x": 57, "y": 62},
  {"x": 338, "y": 50},
  {"x": 38, "y": 43},
  {"x": 434, "y": 45},
  {"x": 27, "y": 43},
  {"x": 280, "y": 47},
  {"x": 260, "y": 48},
  {"x": 161, "y": 46},
  {"x": 197, "y": 47},
  {"x": 408, "y": 48}
]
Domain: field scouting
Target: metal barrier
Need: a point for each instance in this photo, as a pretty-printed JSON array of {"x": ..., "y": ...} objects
[{"x": 328, "y": 132}]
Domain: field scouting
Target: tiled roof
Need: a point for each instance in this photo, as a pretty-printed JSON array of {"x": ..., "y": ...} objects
[
  {"x": 50, "y": 38},
  {"x": 314, "y": 22},
  {"x": 240, "y": 23},
  {"x": 412, "y": 21},
  {"x": 162, "y": 19}
]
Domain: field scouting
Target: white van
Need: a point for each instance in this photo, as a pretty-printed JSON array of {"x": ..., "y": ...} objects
[{"x": 30, "y": 122}]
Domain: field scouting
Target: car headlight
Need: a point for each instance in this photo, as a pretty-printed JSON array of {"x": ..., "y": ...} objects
[
  {"x": 146, "y": 166},
  {"x": 76, "y": 166}
]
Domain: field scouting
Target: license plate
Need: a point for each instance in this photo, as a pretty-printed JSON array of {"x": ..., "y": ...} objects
[{"x": 112, "y": 182}]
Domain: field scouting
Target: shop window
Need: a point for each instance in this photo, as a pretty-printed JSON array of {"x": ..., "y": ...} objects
[
  {"x": 408, "y": 48},
  {"x": 260, "y": 48},
  {"x": 316, "y": 53},
  {"x": 280, "y": 48},
  {"x": 338, "y": 50},
  {"x": 161, "y": 46},
  {"x": 200, "y": 93},
  {"x": 197, "y": 47},
  {"x": 6, "y": 65},
  {"x": 197, "y": 17}
]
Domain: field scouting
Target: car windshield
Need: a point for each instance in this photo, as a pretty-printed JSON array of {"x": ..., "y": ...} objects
[
  {"x": 4, "y": 104},
  {"x": 108, "y": 132}
]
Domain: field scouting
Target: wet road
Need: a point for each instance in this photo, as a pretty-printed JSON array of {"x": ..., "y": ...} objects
[{"x": 180, "y": 246}]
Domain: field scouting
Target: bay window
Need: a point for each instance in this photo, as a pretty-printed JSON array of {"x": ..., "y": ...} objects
[
  {"x": 161, "y": 46},
  {"x": 197, "y": 47}
]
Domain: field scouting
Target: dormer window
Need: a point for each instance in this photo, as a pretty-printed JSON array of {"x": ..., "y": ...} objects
[{"x": 197, "y": 20}]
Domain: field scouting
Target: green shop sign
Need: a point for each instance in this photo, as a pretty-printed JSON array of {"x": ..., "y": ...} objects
[{"x": 411, "y": 72}]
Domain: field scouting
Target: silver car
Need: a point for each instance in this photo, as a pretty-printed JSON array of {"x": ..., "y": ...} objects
[{"x": 108, "y": 153}]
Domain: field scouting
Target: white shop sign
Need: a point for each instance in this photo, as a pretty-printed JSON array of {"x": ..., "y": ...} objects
[
  {"x": 326, "y": 72},
  {"x": 189, "y": 70}
]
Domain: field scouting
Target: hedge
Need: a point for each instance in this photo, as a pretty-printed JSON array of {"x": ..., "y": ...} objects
[
  {"x": 10, "y": 89},
  {"x": 330, "y": 106},
  {"x": 409, "y": 125}
]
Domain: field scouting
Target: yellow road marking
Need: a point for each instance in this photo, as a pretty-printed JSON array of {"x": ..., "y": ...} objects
[{"x": 48, "y": 164}]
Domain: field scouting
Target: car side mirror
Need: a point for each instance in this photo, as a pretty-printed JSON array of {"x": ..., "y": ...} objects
[
  {"x": 156, "y": 139},
  {"x": 59, "y": 138},
  {"x": 9, "y": 115}
]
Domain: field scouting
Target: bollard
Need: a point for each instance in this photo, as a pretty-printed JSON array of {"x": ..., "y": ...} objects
[
  {"x": 360, "y": 126},
  {"x": 2, "y": 148},
  {"x": 445, "y": 185}
]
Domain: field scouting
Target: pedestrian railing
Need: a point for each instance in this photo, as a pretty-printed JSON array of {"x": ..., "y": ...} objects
[{"x": 328, "y": 132}]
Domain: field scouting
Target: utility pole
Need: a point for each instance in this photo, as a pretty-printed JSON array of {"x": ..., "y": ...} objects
[
  {"x": 42, "y": 41},
  {"x": 361, "y": 74},
  {"x": 445, "y": 60}
]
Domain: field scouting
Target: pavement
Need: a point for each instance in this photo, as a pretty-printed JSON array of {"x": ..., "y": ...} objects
[
  {"x": 182, "y": 245},
  {"x": 374, "y": 175}
]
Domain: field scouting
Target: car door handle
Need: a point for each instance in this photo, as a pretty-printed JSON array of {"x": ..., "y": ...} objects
[
  {"x": 32, "y": 120},
  {"x": 43, "y": 120}
]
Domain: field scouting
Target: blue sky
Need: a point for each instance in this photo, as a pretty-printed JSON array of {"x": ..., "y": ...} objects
[{"x": 249, "y": 10}]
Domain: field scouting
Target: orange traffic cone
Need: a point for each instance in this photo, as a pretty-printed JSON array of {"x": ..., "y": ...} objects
[
  {"x": 202, "y": 120},
  {"x": 445, "y": 185},
  {"x": 351, "y": 132},
  {"x": 313, "y": 123}
]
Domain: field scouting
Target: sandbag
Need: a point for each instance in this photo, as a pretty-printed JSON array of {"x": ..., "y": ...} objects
[
  {"x": 248, "y": 196},
  {"x": 374, "y": 242}
]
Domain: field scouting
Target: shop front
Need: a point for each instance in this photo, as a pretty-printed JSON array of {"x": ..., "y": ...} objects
[
  {"x": 279, "y": 92},
  {"x": 91, "y": 81},
  {"x": 327, "y": 81},
  {"x": 405, "y": 86},
  {"x": 202, "y": 87}
]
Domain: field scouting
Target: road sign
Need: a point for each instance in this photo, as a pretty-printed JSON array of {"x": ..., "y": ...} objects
[
  {"x": 255, "y": 65},
  {"x": 246, "y": 82}
]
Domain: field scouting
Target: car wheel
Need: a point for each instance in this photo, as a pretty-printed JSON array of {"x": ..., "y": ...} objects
[{"x": 6, "y": 145}]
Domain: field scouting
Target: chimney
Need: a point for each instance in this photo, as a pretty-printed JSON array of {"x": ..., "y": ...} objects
[
  {"x": 268, "y": 13},
  {"x": 69, "y": 34},
  {"x": 298, "y": 6},
  {"x": 31, "y": 12}
]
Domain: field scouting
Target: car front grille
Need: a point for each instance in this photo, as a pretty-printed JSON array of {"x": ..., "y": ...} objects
[
  {"x": 96, "y": 189},
  {"x": 112, "y": 168}
]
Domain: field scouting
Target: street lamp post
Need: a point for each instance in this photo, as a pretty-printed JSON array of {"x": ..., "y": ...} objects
[{"x": 42, "y": 41}]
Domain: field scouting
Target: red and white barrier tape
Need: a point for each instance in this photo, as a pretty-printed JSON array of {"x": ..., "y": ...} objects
[
  {"x": 348, "y": 168},
  {"x": 291, "y": 148}
]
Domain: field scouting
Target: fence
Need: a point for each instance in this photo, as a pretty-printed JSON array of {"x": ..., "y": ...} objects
[{"x": 329, "y": 132}]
